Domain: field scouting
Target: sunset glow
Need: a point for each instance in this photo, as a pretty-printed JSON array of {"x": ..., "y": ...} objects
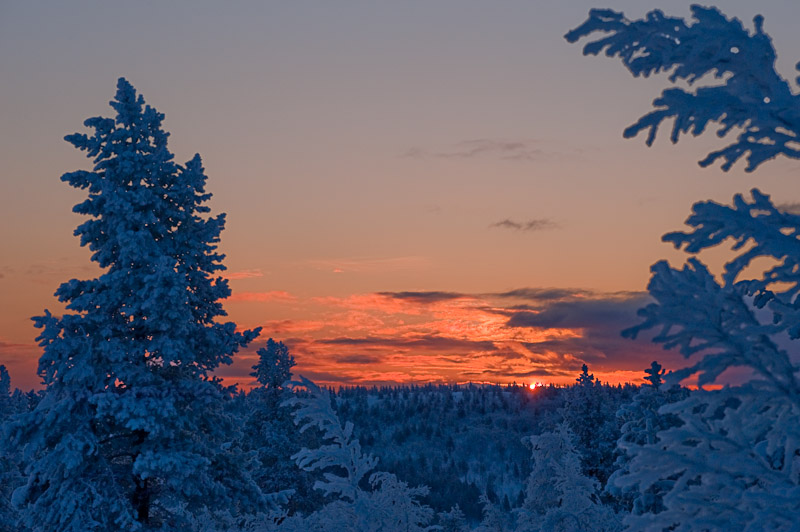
[{"x": 447, "y": 208}]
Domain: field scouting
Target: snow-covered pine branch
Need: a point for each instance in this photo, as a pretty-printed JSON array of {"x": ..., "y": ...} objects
[
  {"x": 390, "y": 505},
  {"x": 722, "y": 322},
  {"x": 751, "y": 97},
  {"x": 344, "y": 452}
]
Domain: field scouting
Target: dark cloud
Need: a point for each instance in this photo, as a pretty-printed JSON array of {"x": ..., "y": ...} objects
[
  {"x": 16, "y": 351},
  {"x": 418, "y": 342},
  {"x": 357, "y": 359},
  {"x": 592, "y": 313},
  {"x": 512, "y": 150},
  {"x": 327, "y": 378},
  {"x": 544, "y": 294},
  {"x": 538, "y": 224},
  {"x": 602, "y": 320},
  {"x": 424, "y": 297}
]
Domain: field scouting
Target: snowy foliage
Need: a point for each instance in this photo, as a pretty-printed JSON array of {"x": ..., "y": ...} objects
[
  {"x": 735, "y": 456},
  {"x": 589, "y": 411},
  {"x": 731, "y": 458},
  {"x": 10, "y": 462},
  {"x": 274, "y": 366},
  {"x": 343, "y": 452},
  {"x": 131, "y": 432},
  {"x": 453, "y": 520},
  {"x": 559, "y": 497},
  {"x": 722, "y": 322},
  {"x": 731, "y": 463},
  {"x": 641, "y": 422},
  {"x": 750, "y": 96},
  {"x": 390, "y": 504},
  {"x": 269, "y": 432}
]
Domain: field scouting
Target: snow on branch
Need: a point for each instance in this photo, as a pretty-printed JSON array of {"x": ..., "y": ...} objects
[
  {"x": 723, "y": 322},
  {"x": 344, "y": 451},
  {"x": 752, "y": 96}
]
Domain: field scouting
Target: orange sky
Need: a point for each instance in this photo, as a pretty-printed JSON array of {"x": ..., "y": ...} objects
[{"x": 415, "y": 191}]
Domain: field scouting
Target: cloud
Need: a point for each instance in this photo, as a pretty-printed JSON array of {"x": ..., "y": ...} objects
[
  {"x": 592, "y": 313},
  {"x": 600, "y": 322},
  {"x": 427, "y": 342},
  {"x": 544, "y": 294},
  {"x": 357, "y": 359},
  {"x": 245, "y": 274},
  {"x": 279, "y": 327},
  {"x": 424, "y": 297},
  {"x": 538, "y": 333},
  {"x": 538, "y": 224},
  {"x": 262, "y": 297},
  {"x": 513, "y": 150},
  {"x": 791, "y": 208},
  {"x": 46, "y": 272}
]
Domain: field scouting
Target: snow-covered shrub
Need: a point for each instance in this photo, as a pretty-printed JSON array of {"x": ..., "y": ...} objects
[
  {"x": 390, "y": 504},
  {"x": 559, "y": 497}
]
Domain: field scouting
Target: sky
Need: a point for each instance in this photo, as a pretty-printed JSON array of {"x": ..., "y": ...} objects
[{"x": 415, "y": 191}]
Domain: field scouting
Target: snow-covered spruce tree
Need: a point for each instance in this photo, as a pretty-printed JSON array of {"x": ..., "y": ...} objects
[
  {"x": 495, "y": 518},
  {"x": 453, "y": 520},
  {"x": 131, "y": 434},
  {"x": 10, "y": 463},
  {"x": 735, "y": 458},
  {"x": 640, "y": 423},
  {"x": 559, "y": 498},
  {"x": 274, "y": 366},
  {"x": 269, "y": 431},
  {"x": 390, "y": 505},
  {"x": 589, "y": 410}
]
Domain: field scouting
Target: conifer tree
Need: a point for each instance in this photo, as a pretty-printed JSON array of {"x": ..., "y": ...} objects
[
  {"x": 589, "y": 411},
  {"x": 654, "y": 375},
  {"x": 559, "y": 497},
  {"x": 732, "y": 461},
  {"x": 390, "y": 505},
  {"x": 131, "y": 434},
  {"x": 274, "y": 367},
  {"x": 269, "y": 430},
  {"x": 10, "y": 467}
]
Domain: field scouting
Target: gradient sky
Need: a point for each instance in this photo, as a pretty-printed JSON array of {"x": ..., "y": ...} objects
[{"x": 415, "y": 191}]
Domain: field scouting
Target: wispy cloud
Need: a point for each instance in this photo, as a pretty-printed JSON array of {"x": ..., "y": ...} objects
[
  {"x": 262, "y": 297},
  {"x": 427, "y": 342},
  {"x": 515, "y": 150},
  {"x": 545, "y": 294},
  {"x": 245, "y": 274},
  {"x": 536, "y": 224},
  {"x": 424, "y": 297},
  {"x": 358, "y": 359},
  {"x": 56, "y": 270}
]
